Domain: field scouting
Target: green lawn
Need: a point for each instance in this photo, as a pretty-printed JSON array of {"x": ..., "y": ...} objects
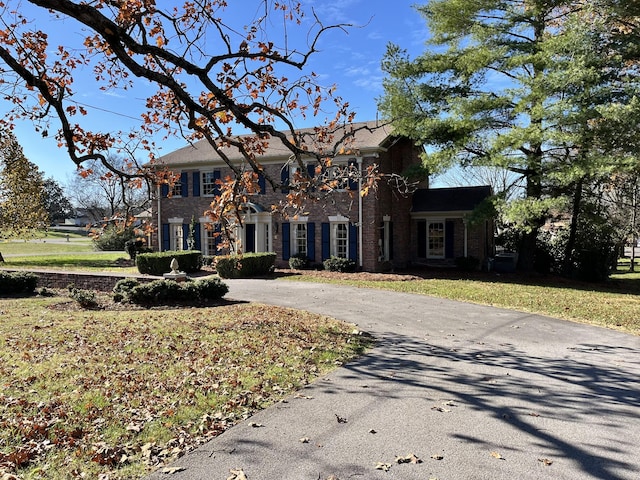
[{"x": 615, "y": 304}]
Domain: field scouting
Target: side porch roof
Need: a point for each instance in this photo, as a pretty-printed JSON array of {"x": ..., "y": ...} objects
[{"x": 454, "y": 199}]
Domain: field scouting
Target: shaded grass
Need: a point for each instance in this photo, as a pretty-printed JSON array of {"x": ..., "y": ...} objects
[
  {"x": 119, "y": 393},
  {"x": 615, "y": 304}
]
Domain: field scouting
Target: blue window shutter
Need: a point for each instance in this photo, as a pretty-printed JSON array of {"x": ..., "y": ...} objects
[
  {"x": 185, "y": 235},
  {"x": 166, "y": 240},
  {"x": 448, "y": 239},
  {"x": 326, "y": 241},
  {"x": 390, "y": 240},
  {"x": 284, "y": 179},
  {"x": 262, "y": 183},
  {"x": 197, "y": 235},
  {"x": 311, "y": 170},
  {"x": 196, "y": 184},
  {"x": 311, "y": 242},
  {"x": 216, "y": 176},
  {"x": 217, "y": 240},
  {"x": 164, "y": 190},
  {"x": 422, "y": 239},
  {"x": 184, "y": 184},
  {"x": 286, "y": 240},
  {"x": 353, "y": 168},
  {"x": 353, "y": 242}
]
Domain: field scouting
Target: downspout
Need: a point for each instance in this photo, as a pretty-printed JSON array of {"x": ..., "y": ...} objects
[
  {"x": 158, "y": 197},
  {"x": 466, "y": 243},
  {"x": 360, "y": 249}
]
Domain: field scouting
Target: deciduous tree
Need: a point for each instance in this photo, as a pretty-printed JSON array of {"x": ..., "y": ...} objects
[{"x": 213, "y": 77}]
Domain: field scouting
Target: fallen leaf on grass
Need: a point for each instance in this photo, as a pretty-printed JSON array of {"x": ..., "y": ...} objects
[
  {"x": 383, "y": 466},
  {"x": 237, "y": 475},
  {"x": 410, "y": 458},
  {"x": 172, "y": 470},
  {"x": 497, "y": 455},
  {"x": 546, "y": 461}
]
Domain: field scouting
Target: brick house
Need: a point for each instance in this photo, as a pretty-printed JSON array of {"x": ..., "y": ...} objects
[{"x": 380, "y": 231}]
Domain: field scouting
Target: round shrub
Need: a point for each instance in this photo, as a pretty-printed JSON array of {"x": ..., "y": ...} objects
[
  {"x": 298, "y": 262},
  {"x": 337, "y": 264}
]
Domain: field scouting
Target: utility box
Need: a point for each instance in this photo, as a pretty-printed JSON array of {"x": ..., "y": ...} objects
[{"x": 505, "y": 262}]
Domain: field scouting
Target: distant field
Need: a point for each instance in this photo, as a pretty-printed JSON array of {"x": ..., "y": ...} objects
[{"x": 55, "y": 252}]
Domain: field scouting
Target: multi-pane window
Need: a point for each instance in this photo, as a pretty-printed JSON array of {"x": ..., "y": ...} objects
[
  {"x": 177, "y": 237},
  {"x": 300, "y": 238},
  {"x": 340, "y": 242},
  {"x": 210, "y": 241},
  {"x": 435, "y": 240},
  {"x": 176, "y": 190},
  {"x": 209, "y": 186}
]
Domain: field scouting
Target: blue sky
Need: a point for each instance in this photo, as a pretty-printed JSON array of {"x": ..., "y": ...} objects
[{"x": 350, "y": 60}]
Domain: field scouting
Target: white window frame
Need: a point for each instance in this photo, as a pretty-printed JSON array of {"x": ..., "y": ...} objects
[
  {"x": 207, "y": 240},
  {"x": 176, "y": 234},
  {"x": 339, "y": 243},
  {"x": 299, "y": 233},
  {"x": 176, "y": 189},
  {"x": 339, "y": 167},
  {"x": 208, "y": 188},
  {"x": 430, "y": 238}
]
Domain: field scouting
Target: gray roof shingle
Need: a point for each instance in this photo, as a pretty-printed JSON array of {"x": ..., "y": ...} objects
[{"x": 369, "y": 137}]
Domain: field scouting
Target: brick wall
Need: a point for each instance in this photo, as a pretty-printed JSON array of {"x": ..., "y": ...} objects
[
  {"x": 102, "y": 282},
  {"x": 377, "y": 204}
]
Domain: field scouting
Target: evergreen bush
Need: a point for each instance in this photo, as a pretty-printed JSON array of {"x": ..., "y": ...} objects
[
  {"x": 298, "y": 261},
  {"x": 159, "y": 263},
  {"x": 13, "y": 283},
  {"x": 247, "y": 265},
  {"x": 337, "y": 264}
]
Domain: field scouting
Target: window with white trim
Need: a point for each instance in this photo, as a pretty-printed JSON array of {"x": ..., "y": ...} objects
[
  {"x": 177, "y": 236},
  {"x": 340, "y": 239},
  {"x": 209, "y": 183},
  {"x": 435, "y": 239},
  {"x": 299, "y": 238},
  {"x": 210, "y": 240},
  {"x": 176, "y": 190}
]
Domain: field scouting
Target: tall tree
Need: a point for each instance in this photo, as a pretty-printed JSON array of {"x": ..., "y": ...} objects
[
  {"x": 519, "y": 85},
  {"x": 213, "y": 75},
  {"x": 22, "y": 211},
  {"x": 56, "y": 203},
  {"x": 105, "y": 195}
]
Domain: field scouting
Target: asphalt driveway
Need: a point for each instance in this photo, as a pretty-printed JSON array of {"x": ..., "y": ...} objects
[{"x": 473, "y": 392}]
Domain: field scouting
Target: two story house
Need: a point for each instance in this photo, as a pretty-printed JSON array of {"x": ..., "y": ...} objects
[{"x": 383, "y": 230}]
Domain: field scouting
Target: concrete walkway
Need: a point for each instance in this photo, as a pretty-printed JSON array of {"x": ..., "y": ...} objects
[{"x": 474, "y": 392}]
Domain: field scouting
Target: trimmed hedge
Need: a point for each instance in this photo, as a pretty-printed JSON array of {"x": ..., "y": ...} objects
[
  {"x": 168, "y": 291},
  {"x": 158, "y": 263},
  {"x": 245, "y": 266},
  {"x": 14, "y": 283}
]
